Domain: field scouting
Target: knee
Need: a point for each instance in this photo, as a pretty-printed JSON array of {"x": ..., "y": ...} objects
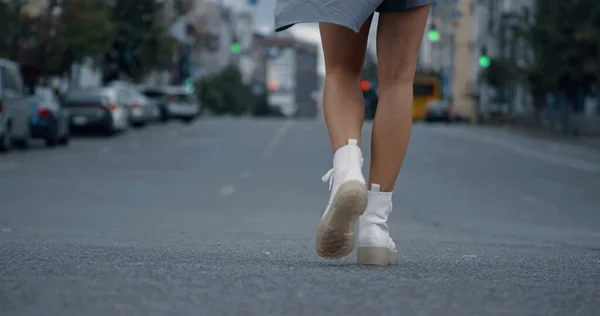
[
  {"x": 401, "y": 71},
  {"x": 343, "y": 70}
]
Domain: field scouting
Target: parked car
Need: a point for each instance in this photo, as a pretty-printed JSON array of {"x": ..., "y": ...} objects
[
  {"x": 14, "y": 107},
  {"x": 141, "y": 110},
  {"x": 95, "y": 108},
  {"x": 49, "y": 119},
  {"x": 176, "y": 102},
  {"x": 439, "y": 111},
  {"x": 159, "y": 96}
]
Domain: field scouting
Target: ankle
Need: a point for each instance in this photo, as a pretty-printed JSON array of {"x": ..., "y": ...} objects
[{"x": 348, "y": 156}]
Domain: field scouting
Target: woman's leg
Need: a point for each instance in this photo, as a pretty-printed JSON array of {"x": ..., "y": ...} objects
[
  {"x": 399, "y": 37},
  {"x": 344, "y": 52},
  {"x": 343, "y": 104},
  {"x": 398, "y": 40}
]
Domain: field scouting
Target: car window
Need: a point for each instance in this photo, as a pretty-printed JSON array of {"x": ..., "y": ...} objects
[{"x": 10, "y": 84}]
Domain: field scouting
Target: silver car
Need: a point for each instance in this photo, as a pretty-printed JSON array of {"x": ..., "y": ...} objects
[
  {"x": 15, "y": 110},
  {"x": 141, "y": 110},
  {"x": 181, "y": 103}
]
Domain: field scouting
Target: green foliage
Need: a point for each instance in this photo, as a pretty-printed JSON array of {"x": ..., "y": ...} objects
[
  {"x": 142, "y": 42},
  {"x": 563, "y": 36},
  {"x": 88, "y": 28},
  {"x": 225, "y": 93},
  {"x": 83, "y": 29},
  {"x": 500, "y": 72},
  {"x": 9, "y": 28}
]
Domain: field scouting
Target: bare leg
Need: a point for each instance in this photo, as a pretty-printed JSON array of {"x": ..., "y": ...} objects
[
  {"x": 344, "y": 112},
  {"x": 343, "y": 104},
  {"x": 399, "y": 36}
]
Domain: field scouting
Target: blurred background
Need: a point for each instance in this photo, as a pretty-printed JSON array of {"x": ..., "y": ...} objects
[
  {"x": 486, "y": 62},
  {"x": 166, "y": 155}
]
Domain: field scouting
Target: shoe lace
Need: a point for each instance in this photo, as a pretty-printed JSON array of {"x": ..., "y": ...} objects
[{"x": 329, "y": 175}]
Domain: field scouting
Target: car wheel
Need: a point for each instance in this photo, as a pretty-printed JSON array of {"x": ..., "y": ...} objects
[
  {"x": 109, "y": 129},
  {"x": 187, "y": 120},
  {"x": 5, "y": 141},
  {"x": 51, "y": 142},
  {"x": 164, "y": 116},
  {"x": 65, "y": 140},
  {"x": 23, "y": 143}
]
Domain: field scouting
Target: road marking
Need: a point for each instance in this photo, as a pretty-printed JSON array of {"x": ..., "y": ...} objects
[
  {"x": 469, "y": 256},
  {"x": 278, "y": 137},
  {"x": 6, "y": 230},
  {"x": 7, "y": 166},
  {"x": 553, "y": 159},
  {"x": 104, "y": 150},
  {"x": 228, "y": 190},
  {"x": 246, "y": 174},
  {"x": 535, "y": 201},
  {"x": 135, "y": 144}
]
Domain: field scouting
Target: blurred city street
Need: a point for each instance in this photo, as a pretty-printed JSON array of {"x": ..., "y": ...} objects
[{"x": 219, "y": 218}]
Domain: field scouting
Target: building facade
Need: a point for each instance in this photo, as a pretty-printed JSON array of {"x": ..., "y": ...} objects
[{"x": 291, "y": 74}]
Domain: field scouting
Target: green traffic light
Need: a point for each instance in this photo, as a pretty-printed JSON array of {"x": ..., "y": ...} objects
[
  {"x": 434, "y": 35},
  {"x": 484, "y": 61},
  {"x": 236, "y": 48},
  {"x": 189, "y": 85}
]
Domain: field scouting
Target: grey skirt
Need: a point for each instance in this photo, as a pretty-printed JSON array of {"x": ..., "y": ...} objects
[{"x": 348, "y": 13}]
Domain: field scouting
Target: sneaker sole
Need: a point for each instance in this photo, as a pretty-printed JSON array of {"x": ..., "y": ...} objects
[
  {"x": 379, "y": 256},
  {"x": 335, "y": 237}
]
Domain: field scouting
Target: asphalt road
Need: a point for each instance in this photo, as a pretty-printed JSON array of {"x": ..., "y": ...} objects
[{"x": 219, "y": 218}]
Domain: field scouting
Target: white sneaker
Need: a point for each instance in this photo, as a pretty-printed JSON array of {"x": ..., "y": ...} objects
[
  {"x": 348, "y": 200},
  {"x": 375, "y": 246}
]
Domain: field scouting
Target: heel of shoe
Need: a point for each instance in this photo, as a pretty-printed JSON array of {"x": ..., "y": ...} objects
[{"x": 380, "y": 256}]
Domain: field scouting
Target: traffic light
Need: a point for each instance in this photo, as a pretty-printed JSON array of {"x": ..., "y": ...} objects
[
  {"x": 484, "y": 59},
  {"x": 236, "y": 48},
  {"x": 190, "y": 87},
  {"x": 433, "y": 34}
]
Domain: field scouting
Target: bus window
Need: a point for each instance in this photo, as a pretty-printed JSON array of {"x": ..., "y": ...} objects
[{"x": 423, "y": 90}]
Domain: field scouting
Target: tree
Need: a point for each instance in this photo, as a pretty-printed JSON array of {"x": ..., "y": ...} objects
[
  {"x": 142, "y": 41},
  {"x": 563, "y": 39},
  {"x": 225, "y": 93},
  {"x": 10, "y": 28},
  {"x": 88, "y": 29}
]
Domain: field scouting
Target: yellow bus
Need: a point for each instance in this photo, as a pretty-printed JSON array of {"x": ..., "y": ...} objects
[{"x": 426, "y": 89}]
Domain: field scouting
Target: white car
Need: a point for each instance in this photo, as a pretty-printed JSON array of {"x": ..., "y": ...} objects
[{"x": 181, "y": 104}]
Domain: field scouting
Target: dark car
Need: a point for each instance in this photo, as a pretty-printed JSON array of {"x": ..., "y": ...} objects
[
  {"x": 94, "y": 108},
  {"x": 49, "y": 119}
]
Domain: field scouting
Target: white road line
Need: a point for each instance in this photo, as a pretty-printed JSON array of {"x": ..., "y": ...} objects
[
  {"x": 535, "y": 201},
  {"x": 228, "y": 190},
  {"x": 246, "y": 174},
  {"x": 530, "y": 153},
  {"x": 278, "y": 137},
  {"x": 6, "y": 230}
]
